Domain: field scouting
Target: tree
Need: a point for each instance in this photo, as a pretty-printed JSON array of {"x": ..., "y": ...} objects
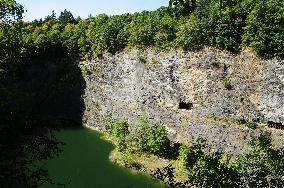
[
  {"x": 66, "y": 17},
  {"x": 37, "y": 22},
  {"x": 184, "y": 7},
  {"x": 10, "y": 35},
  {"x": 51, "y": 17},
  {"x": 10, "y": 11}
]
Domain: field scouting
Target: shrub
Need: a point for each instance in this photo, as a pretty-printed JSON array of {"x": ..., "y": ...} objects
[
  {"x": 158, "y": 141},
  {"x": 166, "y": 33},
  {"x": 264, "y": 30},
  {"x": 249, "y": 123},
  {"x": 143, "y": 28},
  {"x": 149, "y": 138},
  {"x": 118, "y": 130},
  {"x": 263, "y": 165},
  {"x": 189, "y": 155},
  {"x": 226, "y": 83},
  {"x": 207, "y": 170},
  {"x": 191, "y": 34},
  {"x": 114, "y": 38},
  {"x": 213, "y": 170},
  {"x": 184, "y": 152}
]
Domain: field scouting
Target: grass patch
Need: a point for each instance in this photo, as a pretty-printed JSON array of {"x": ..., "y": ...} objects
[{"x": 226, "y": 83}]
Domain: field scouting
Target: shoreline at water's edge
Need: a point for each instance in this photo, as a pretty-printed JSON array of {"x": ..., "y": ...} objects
[
  {"x": 149, "y": 162},
  {"x": 90, "y": 127}
]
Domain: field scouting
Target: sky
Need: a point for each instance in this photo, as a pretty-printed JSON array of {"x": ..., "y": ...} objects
[{"x": 37, "y": 9}]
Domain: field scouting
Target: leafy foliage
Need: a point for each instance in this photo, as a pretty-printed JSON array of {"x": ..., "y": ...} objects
[
  {"x": 249, "y": 123},
  {"x": 66, "y": 17},
  {"x": 118, "y": 130},
  {"x": 191, "y": 34},
  {"x": 183, "y": 7},
  {"x": 264, "y": 28},
  {"x": 262, "y": 166},
  {"x": 226, "y": 83},
  {"x": 225, "y": 24},
  {"x": 144, "y": 137},
  {"x": 166, "y": 175},
  {"x": 10, "y": 11},
  {"x": 149, "y": 138}
]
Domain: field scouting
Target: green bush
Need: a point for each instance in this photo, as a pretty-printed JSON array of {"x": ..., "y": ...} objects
[
  {"x": 143, "y": 28},
  {"x": 167, "y": 31},
  {"x": 249, "y": 123},
  {"x": 264, "y": 29},
  {"x": 207, "y": 170},
  {"x": 226, "y": 83},
  {"x": 118, "y": 131},
  {"x": 184, "y": 152},
  {"x": 224, "y": 23},
  {"x": 114, "y": 37},
  {"x": 158, "y": 141},
  {"x": 117, "y": 128},
  {"x": 149, "y": 138},
  {"x": 263, "y": 165},
  {"x": 191, "y": 34}
]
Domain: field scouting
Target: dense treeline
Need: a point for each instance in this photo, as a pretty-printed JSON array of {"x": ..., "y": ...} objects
[{"x": 226, "y": 24}]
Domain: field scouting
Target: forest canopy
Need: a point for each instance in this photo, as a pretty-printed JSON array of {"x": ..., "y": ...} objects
[{"x": 225, "y": 24}]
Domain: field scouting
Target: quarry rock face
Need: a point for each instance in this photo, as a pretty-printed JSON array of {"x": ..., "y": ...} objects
[{"x": 195, "y": 94}]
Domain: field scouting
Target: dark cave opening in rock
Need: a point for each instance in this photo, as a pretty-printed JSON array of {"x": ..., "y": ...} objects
[
  {"x": 185, "y": 106},
  {"x": 275, "y": 125}
]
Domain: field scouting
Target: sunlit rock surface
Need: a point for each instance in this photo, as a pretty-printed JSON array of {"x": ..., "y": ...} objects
[{"x": 186, "y": 91}]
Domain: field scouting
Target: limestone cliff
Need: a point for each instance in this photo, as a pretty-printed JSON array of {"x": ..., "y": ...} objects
[{"x": 187, "y": 92}]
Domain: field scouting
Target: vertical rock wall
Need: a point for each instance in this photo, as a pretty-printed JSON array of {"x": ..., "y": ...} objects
[{"x": 187, "y": 92}]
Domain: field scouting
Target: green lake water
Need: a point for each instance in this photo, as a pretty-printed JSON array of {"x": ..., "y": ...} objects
[{"x": 85, "y": 163}]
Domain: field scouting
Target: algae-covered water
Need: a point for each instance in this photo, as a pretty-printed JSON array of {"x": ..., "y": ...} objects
[{"x": 84, "y": 163}]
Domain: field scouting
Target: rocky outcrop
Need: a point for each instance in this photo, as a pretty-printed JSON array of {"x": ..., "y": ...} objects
[{"x": 196, "y": 93}]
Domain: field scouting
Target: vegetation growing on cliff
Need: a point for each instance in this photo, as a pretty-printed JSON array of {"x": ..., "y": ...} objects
[
  {"x": 262, "y": 166},
  {"x": 144, "y": 137}
]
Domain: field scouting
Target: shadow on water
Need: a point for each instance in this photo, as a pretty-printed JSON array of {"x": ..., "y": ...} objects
[
  {"x": 43, "y": 95},
  {"x": 85, "y": 161}
]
